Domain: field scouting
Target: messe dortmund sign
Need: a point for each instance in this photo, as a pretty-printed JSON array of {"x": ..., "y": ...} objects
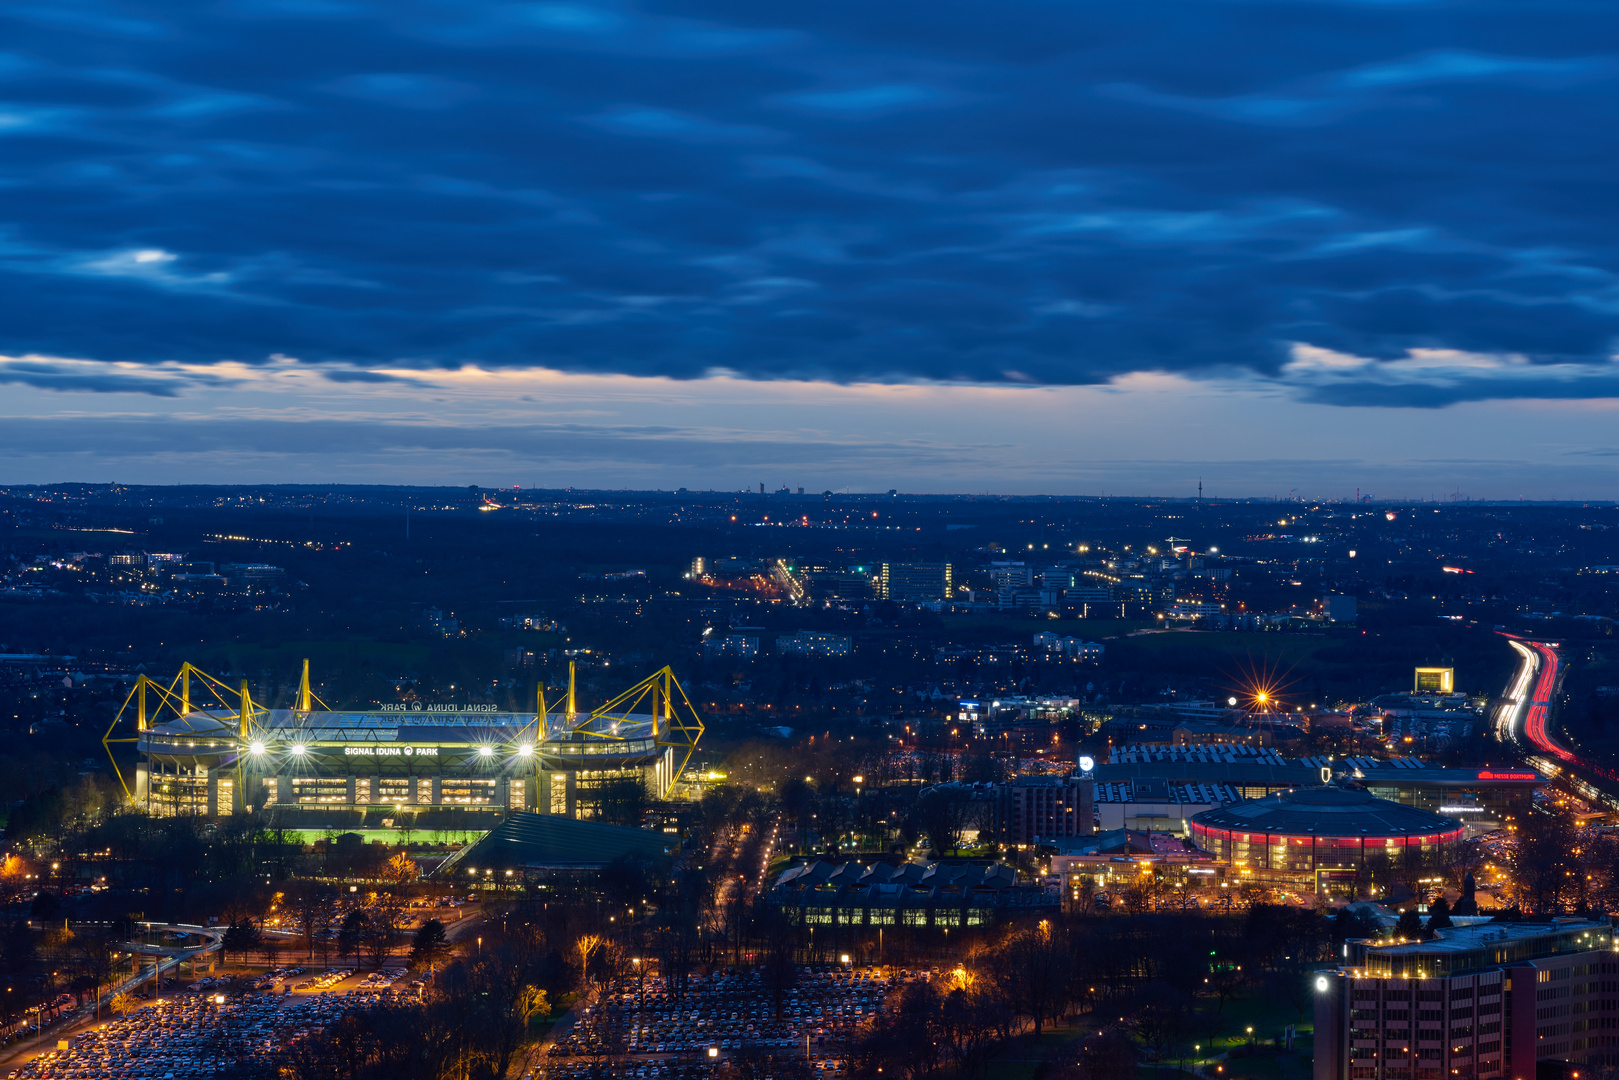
[{"x": 390, "y": 751}]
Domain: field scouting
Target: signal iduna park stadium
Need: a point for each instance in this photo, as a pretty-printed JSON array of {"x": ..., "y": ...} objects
[{"x": 210, "y": 750}]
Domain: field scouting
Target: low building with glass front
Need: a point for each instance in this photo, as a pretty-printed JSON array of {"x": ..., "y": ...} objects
[{"x": 824, "y": 892}]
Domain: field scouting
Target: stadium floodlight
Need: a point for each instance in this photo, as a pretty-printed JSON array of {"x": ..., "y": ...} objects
[
  {"x": 486, "y": 751},
  {"x": 298, "y": 749},
  {"x": 526, "y": 750},
  {"x": 256, "y": 746}
]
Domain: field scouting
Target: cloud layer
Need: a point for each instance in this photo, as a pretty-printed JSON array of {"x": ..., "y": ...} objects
[{"x": 1018, "y": 193}]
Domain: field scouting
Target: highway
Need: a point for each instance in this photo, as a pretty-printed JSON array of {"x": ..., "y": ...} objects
[
  {"x": 1522, "y": 718},
  {"x": 1521, "y": 722}
]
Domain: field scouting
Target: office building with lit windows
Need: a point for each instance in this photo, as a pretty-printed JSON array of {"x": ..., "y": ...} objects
[
  {"x": 1490, "y": 1001},
  {"x": 914, "y": 582}
]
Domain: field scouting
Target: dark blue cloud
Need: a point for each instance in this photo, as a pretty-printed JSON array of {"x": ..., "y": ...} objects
[{"x": 1025, "y": 191}]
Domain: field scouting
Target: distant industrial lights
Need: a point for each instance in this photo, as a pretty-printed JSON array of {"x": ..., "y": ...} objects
[
  {"x": 1214, "y": 551},
  {"x": 1351, "y": 553},
  {"x": 526, "y": 750},
  {"x": 297, "y": 749},
  {"x": 486, "y": 751},
  {"x": 256, "y": 746}
]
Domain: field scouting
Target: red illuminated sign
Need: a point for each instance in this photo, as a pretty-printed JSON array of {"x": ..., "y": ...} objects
[{"x": 1508, "y": 776}]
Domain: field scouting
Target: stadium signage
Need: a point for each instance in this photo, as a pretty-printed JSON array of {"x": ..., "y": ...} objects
[
  {"x": 1487, "y": 775},
  {"x": 390, "y": 751},
  {"x": 417, "y": 706}
]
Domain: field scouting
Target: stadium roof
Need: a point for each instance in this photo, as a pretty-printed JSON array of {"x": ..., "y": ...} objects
[{"x": 555, "y": 841}]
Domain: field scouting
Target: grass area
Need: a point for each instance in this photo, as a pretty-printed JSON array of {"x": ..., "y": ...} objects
[{"x": 391, "y": 837}]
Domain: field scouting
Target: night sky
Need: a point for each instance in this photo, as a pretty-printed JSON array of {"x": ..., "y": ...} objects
[{"x": 1063, "y": 247}]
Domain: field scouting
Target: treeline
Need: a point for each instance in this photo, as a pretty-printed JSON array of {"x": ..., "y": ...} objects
[{"x": 1161, "y": 981}]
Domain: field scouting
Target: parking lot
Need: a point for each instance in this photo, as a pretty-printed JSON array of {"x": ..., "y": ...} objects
[
  {"x": 724, "y": 1013},
  {"x": 197, "y": 1035}
]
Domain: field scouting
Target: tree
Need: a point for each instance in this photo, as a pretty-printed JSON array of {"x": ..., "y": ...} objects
[
  {"x": 1107, "y": 1055},
  {"x": 429, "y": 945},
  {"x": 240, "y": 937},
  {"x": 351, "y": 933},
  {"x": 1410, "y": 925},
  {"x": 383, "y": 927},
  {"x": 1032, "y": 967},
  {"x": 1543, "y": 860},
  {"x": 583, "y": 947},
  {"x": 1438, "y": 915},
  {"x": 946, "y": 813},
  {"x": 399, "y": 870},
  {"x": 311, "y": 908}
]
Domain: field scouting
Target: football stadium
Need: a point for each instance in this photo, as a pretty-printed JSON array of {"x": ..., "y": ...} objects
[{"x": 207, "y": 749}]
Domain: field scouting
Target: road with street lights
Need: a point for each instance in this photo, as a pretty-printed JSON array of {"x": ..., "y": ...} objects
[{"x": 1522, "y": 721}]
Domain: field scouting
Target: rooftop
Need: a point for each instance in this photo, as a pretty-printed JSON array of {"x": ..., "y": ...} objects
[
  {"x": 557, "y": 842},
  {"x": 1459, "y": 949},
  {"x": 1326, "y": 811}
]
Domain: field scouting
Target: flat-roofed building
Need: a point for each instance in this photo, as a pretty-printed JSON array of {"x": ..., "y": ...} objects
[
  {"x": 1481, "y": 798},
  {"x": 1490, "y": 1001}
]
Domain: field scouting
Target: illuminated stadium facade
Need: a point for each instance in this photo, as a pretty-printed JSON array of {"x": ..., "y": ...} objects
[
  {"x": 207, "y": 749},
  {"x": 1317, "y": 837}
]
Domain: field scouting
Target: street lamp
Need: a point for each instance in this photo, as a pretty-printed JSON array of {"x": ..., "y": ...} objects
[{"x": 713, "y": 1051}]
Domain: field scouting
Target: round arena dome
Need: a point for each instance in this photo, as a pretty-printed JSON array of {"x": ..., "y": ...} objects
[{"x": 1329, "y": 832}]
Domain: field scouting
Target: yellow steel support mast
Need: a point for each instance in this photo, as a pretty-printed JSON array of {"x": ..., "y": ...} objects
[
  {"x": 232, "y": 709},
  {"x": 675, "y": 721}
]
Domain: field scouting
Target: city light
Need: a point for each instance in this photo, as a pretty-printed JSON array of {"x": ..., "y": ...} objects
[
  {"x": 256, "y": 747},
  {"x": 486, "y": 751},
  {"x": 297, "y": 749},
  {"x": 525, "y": 750}
]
